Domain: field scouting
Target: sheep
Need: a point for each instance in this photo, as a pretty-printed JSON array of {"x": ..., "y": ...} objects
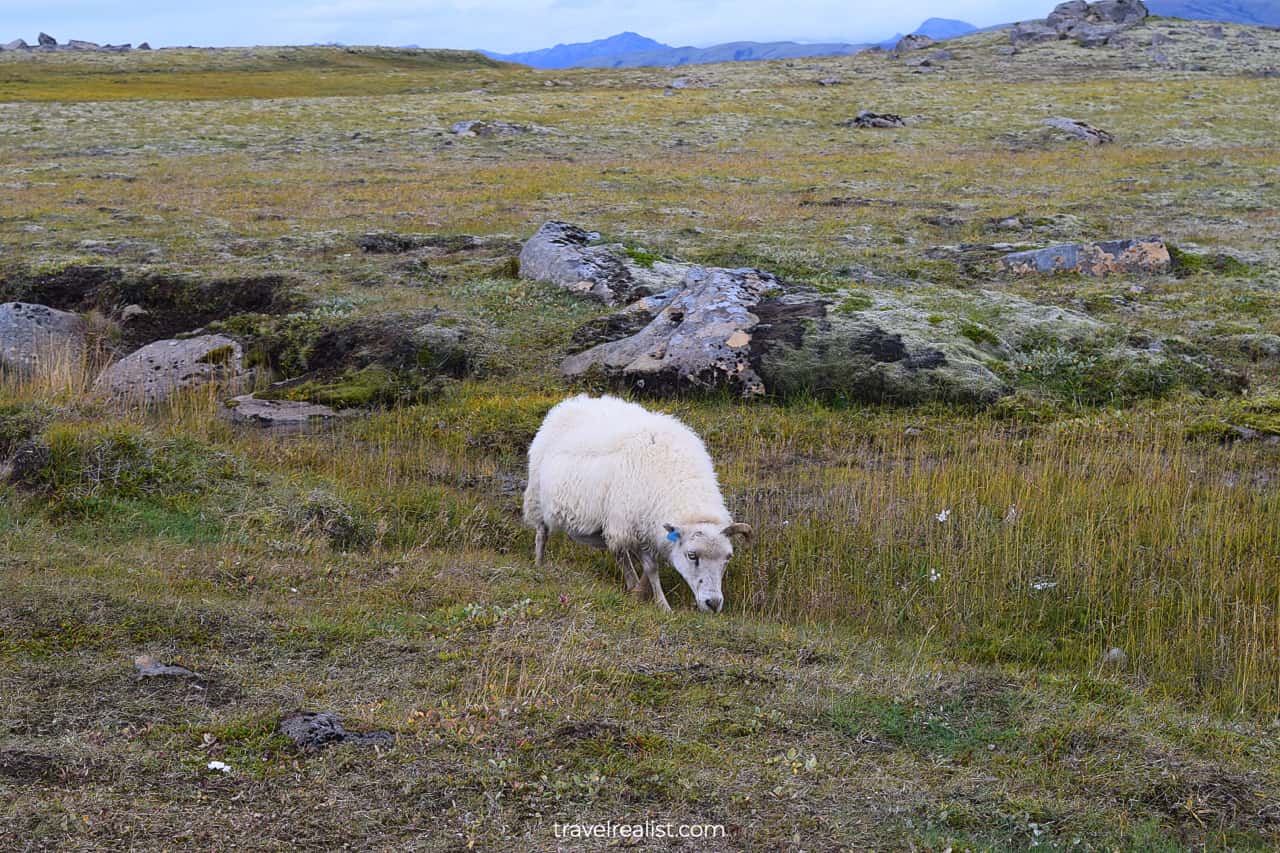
[{"x": 614, "y": 475}]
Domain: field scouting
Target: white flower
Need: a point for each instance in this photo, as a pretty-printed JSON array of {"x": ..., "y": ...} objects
[
  {"x": 1011, "y": 515},
  {"x": 220, "y": 765},
  {"x": 934, "y": 575},
  {"x": 1041, "y": 586},
  {"x": 943, "y": 516}
]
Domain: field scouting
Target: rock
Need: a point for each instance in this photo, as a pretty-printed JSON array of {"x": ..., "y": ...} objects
[
  {"x": 159, "y": 370},
  {"x": 16, "y": 44},
  {"x": 385, "y": 359},
  {"x": 34, "y": 337},
  {"x": 144, "y": 46},
  {"x": 699, "y": 340},
  {"x": 311, "y": 731},
  {"x": 149, "y": 667},
  {"x": 915, "y": 41},
  {"x": 679, "y": 83},
  {"x": 47, "y": 40},
  {"x": 1080, "y": 129},
  {"x": 1089, "y": 24},
  {"x": 1115, "y": 656},
  {"x": 278, "y": 416},
  {"x": 390, "y": 243},
  {"x": 1125, "y": 257},
  {"x": 77, "y": 44},
  {"x": 569, "y": 257},
  {"x": 830, "y": 81},
  {"x": 866, "y": 118},
  {"x": 491, "y": 129}
]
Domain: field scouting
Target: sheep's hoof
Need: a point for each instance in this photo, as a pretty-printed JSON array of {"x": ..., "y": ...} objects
[
  {"x": 641, "y": 592},
  {"x": 664, "y": 607}
]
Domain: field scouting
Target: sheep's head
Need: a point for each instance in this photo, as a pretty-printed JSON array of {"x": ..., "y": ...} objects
[{"x": 700, "y": 553}]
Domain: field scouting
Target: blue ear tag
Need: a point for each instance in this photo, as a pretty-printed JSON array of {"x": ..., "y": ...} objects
[{"x": 674, "y": 536}]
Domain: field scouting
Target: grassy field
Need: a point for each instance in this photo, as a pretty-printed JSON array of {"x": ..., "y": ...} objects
[{"x": 916, "y": 654}]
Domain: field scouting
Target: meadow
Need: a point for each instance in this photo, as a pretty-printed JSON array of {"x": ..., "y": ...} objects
[{"x": 1050, "y": 623}]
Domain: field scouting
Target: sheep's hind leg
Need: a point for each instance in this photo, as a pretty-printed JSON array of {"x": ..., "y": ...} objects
[
  {"x": 539, "y": 544},
  {"x": 655, "y": 582}
]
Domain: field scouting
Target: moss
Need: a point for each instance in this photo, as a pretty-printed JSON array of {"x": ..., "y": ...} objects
[
  {"x": 855, "y": 302},
  {"x": 19, "y": 423},
  {"x": 643, "y": 257},
  {"x": 978, "y": 334},
  {"x": 1187, "y": 264}
]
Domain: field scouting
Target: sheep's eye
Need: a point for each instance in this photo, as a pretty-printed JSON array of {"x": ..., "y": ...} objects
[{"x": 693, "y": 558}]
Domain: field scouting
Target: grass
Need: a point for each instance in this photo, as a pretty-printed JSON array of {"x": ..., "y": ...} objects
[{"x": 914, "y": 653}]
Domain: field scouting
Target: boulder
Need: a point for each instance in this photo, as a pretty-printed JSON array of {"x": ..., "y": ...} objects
[
  {"x": 866, "y": 118},
  {"x": 47, "y": 40},
  {"x": 569, "y": 257},
  {"x": 16, "y": 44},
  {"x": 490, "y": 129},
  {"x": 1080, "y": 130},
  {"x": 1124, "y": 257},
  {"x": 159, "y": 370},
  {"x": 77, "y": 44},
  {"x": 35, "y": 336},
  {"x": 915, "y": 41},
  {"x": 144, "y": 46},
  {"x": 1088, "y": 24},
  {"x": 278, "y": 416}
]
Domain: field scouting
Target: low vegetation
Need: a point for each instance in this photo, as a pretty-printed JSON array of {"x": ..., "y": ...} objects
[{"x": 1051, "y": 622}]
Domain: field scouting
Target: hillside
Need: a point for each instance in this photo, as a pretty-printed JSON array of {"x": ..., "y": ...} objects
[
  {"x": 1259, "y": 12},
  {"x": 1013, "y": 579}
]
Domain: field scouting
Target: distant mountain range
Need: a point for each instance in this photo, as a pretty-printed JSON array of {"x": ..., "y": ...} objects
[
  {"x": 1256, "y": 12},
  {"x": 630, "y": 50}
]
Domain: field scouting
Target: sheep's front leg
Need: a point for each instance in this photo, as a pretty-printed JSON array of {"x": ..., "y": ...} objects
[
  {"x": 655, "y": 582},
  {"x": 539, "y": 544},
  {"x": 636, "y": 584}
]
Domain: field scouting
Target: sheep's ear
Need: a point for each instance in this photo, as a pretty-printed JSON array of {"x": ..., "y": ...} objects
[
  {"x": 739, "y": 529},
  {"x": 673, "y": 532}
]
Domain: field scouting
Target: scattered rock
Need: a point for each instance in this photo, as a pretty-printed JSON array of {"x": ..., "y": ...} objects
[
  {"x": 1080, "y": 129},
  {"x": 284, "y": 417},
  {"x": 490, "y": 129},
  {"x": 77, "y": 44},
  {"x": 313, "y": 731},
  {"x": 567, "y": 256},
  {"x": 161, "y": 369},
  {"x": 47, "y": 40},
  {"x": 1114, "y": 656},
  {"x": 17, "y": 44},
  {"x": 389, "y": 243},
  {"x": 149, "y": 667},
  {"x": 679, "y": 83},
  {"x": 34, "y": 337},
  {"x": 144, "y": 46},
  {"x": 830, "y": 81},
  {"x": 866, "y": 118},
  {"x": 1125, "y": 257},
  {"x": 915, "y": 41}
]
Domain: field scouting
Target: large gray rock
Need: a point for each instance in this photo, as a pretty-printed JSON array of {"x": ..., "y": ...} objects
[
  {"x": 915, "y": 41},
  {"x": 159, "y": 370},
  {"x": 574, "y": 259},
  {"x": 1080, "y": 130},
  {"x": 16, "y": 44},
  {"x": 1088, "y": 24},
  {"x": 34, "y": 337},
  {"x": 279, "y": 416},
  {"x": 47, "y": 40},
  {"x": 1124, "y": 257}
]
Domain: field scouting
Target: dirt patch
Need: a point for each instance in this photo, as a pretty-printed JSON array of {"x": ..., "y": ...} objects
[
  {"x": 1199, "y": 793},
  {"x": 166, "y": 304},
  {"x": 27, "y": 767}
]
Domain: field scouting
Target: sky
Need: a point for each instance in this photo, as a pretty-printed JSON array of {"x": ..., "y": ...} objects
[{"x": 501, "y": 25}]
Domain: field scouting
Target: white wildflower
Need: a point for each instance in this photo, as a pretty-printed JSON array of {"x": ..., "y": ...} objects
[
  {"x": 1041, "y": 586},
  {"x": 943, "y": 516},
  {"x": 220, "y": 766},
  {"x": 934, "y": 575},
  {"x": 1011, "y": 515}
]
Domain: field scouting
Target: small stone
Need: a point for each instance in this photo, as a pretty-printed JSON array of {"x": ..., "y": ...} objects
[{"x": 1115, "y": 656}]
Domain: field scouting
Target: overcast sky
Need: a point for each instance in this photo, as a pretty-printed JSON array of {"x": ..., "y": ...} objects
[{"x": 501, "y": 25}]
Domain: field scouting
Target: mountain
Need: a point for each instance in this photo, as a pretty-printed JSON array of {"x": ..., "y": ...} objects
[
  {"x": 1257, "y": 12},
  {"x": 581, "y": 53},
  {"x": 939, "y": 29},
  {"x": 945, "y": 28},
  {"x": 734, "y": 51}
]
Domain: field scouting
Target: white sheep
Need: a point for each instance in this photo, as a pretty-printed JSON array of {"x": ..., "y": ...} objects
[{"x": 612, "y": 474}]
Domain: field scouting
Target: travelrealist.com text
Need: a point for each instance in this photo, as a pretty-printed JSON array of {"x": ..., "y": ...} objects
[{"x": 642, "y": 829}]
